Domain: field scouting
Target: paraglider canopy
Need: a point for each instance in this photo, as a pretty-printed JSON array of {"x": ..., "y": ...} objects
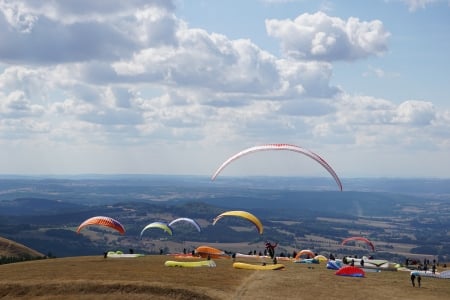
[
  {"x": 350, "y": 271},
  {"x": 333, "y": 265},
  {"x": 306, "y": 252},
  {"x": 189, "y": 220},
  {"x": 211, "y": 252},
  {"x": 287, "y": 147},
  {"x": 359, "y": 238},
  {"x": 102, "y": 221},
  {"x": 160, "y": 225},
  {"x": 242, "y": 214}
]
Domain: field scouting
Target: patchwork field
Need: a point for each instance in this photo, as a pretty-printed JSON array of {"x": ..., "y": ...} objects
[{"x": 94, "y": 277}]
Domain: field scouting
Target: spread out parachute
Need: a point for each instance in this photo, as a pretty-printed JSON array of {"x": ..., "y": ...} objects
[
  {"x": 242, "y": 214},
  {"x": 186, "y": 220},
  {"x": 350, "y": 271},
  {"x": 160, "y": 225},
  {"x": 102, "y": 221},
  {"x": 287, "y": 147},
  {"x": 334, "y": 265},
  {"x": 359, "y": 238},
  {"x": 211, "y": 252}
]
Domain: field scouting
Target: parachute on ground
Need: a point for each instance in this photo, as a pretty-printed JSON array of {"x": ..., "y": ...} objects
[
  {"x": 321, "y": 258},
  {"x": 241, "y": 214},
  {"x": 103, "y": 221},
  {"x": 159, "y": 225},
  {"x": 445, "y": 274},
  {"x": 334, "y": 265},
  {"x": 359, "y": 238},
  {"x": 287, "y": 147},
  {"x": 189, "y": 220},
  {"x": 306, "y": 252},
  {"x": 350, "y": 271},
  {"x": 307, "y": 261},
  {"x": 211, "y": 252}
]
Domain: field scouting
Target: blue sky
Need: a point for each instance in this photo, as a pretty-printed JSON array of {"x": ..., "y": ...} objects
[{"x": 176, "y": 87}]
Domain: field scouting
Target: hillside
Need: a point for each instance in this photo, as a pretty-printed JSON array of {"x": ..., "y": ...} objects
[
  {"x": 10, "y": 248},
  {"x": 93, "y": 277}
]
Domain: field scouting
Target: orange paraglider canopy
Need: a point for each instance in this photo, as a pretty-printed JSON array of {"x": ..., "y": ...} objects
[
  {"x": 102, "y": 221},
  {"x": 211, "y": 252},
  {"x": 309, "y": 253}
]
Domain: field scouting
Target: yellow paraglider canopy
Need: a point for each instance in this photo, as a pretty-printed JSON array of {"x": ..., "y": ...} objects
[
  {"x": 160, "y": 225},
  {"x": 242, "y": 214}
]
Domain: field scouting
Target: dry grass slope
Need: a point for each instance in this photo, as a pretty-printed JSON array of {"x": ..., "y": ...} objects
[
  {"x": 10, "y": 248},
  {"x": 92, "y": 277}
]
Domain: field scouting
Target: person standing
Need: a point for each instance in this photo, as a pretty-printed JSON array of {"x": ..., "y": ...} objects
[
  {"x": 413, "y": 279},
  {"x": 271, "y": 248}
]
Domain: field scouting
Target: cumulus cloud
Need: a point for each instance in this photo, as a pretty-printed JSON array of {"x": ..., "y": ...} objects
[
  {"x": 369, "y": 122},
  {"x": 321, "y": 37},
  {"x": 416, "y": 113},
  {"x": 129, "y": 75},
  {"x": 16, "y": 105},
  {"x": 65, "y": 32}
]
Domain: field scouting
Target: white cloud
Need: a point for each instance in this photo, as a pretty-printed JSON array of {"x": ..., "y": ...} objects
[
  {"x": 85, "y": 31},
  {"x": 416, "y": 113},
  {"x": 321, "y": 37},
  {"x": 120, "y": 79},
  {"x": 414, "y": 5},
  {"x": 16, "y": 105}
]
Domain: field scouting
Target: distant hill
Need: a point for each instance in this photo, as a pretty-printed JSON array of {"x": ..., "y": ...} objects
[
  {"x": 36, "y": 206},
  {"x": 10, "y": 248}
]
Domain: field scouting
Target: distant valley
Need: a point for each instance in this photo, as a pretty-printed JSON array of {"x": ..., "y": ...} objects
[{"x": 403, "y": 217}]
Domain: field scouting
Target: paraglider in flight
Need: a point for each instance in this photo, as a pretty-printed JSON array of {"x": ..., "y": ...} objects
[
  {"x": 287, "y": 147},
  {"x": 242, "y": 214},
  {"x": 359, "y": 238},
  {"x": 186, "y": 220},
  {"x": 160, "y": 225},
  {"x": 102, "y": 221}
]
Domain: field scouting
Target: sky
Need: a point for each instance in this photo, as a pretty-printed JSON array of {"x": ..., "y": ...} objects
[{"x": 177, "y": 87}]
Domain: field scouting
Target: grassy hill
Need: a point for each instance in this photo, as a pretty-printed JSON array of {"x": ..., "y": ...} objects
[
  {"x": 10, "y": 248},
  {"x": 94, "y": 277}
]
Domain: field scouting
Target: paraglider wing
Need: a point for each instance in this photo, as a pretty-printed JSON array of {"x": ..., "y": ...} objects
[
  {"x": 211, "y": 252},
  {"x": 333, "y": 265},
  {"x": 287, "y": 147},
  {"x": 186, "y": 220},
  {"x": 160, "y": 225},
  {"x": 102, "y": 221},
  {"x": 350, "y": 271},
  {"x": 242, "y": 214},
  {"x": 359, "y": 238},
  {"x": 306, "y": 252}
]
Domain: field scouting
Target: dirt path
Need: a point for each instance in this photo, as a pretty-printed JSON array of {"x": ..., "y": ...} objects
[{"x": 252, "y": 282}]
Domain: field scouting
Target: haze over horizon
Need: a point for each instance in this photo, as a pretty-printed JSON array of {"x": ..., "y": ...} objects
[{"x": 176, "y": 87}]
